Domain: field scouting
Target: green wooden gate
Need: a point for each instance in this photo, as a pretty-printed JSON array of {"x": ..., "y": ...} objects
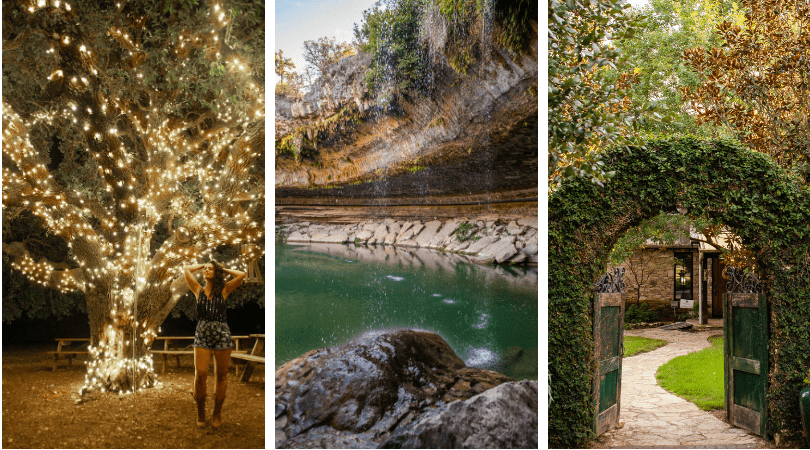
[
  {"x": 608, "y": 337},
  {"x": 745, "y": 330}
]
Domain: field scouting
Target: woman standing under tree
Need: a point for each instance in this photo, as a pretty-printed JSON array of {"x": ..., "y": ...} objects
[{"x": 213, "y": 334}]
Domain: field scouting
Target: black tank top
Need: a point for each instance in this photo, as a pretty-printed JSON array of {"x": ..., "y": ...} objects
[{"x": 213, "y": 309}]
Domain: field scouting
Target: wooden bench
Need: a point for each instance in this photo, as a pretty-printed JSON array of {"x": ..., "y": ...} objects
[
  {"x": 69, "y": 354},
  {"x": 256, "y": 356}
]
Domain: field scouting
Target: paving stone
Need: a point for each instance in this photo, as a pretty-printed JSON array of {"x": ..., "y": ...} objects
[{"x": 655, "y": 418}]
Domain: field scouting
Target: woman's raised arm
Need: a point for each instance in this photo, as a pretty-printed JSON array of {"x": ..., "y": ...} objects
[
  {"x": 192, "y": 282},
  {"x": 231, "y": 285}
]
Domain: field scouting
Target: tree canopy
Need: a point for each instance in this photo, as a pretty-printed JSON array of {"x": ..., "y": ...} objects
[
  {"x": 589, "y": 109},
  {"x": 655, "y": 55},
  {"x": 134, "y": 134},
  {"x": 757, "y": 82}
]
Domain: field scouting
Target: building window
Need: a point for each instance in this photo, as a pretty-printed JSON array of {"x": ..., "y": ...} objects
[{"x": 683, "y": 276}]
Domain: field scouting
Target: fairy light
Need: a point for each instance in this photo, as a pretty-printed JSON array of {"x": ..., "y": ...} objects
[{"x": 194, "y": 172}]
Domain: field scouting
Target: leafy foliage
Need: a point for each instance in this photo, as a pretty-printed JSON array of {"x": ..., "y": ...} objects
[
  {"x": 299, "y": 140},
  {"x": 400, "y": 64},
  {"x": 757, "y": 82},
  {"x": 670, "y": 27},
  {"x": 513, "y": 20},
  {"x": 21, "y": 298},
  {"x": 405, "y": 64},
  {"x": 588, "y": 107},
  {"x": 291, "y": 84},
  {"x": 663, "y": 229},
  {"x": 465, "y": 231},
  {"x": 718, "y": 181},
  {"x": 283, "y": 66}
]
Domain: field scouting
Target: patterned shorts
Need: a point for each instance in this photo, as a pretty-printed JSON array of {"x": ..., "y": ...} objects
[{"x": 213, "y": 335}]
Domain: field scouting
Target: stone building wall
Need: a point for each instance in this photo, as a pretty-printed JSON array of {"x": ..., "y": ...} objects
[{"x": 658, "y": 284}]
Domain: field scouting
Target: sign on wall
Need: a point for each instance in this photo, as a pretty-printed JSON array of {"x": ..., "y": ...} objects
[{"x": 687, "y": 303}]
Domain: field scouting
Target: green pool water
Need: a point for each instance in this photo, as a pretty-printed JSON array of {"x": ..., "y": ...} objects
[{"x": 326, "y": 294}]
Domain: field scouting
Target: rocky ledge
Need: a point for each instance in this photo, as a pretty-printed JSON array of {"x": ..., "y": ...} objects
[
  {"x": 400, "y": 389},
  {"x": 483, "y": 241}
]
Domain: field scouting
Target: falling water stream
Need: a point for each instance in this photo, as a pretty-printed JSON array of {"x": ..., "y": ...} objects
[{"x": 326, "y": 294}]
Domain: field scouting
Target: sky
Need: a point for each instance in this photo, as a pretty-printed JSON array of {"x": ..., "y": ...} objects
[
  {"x": 299, "y": 21},
  {"x": 638, "y": 3}
]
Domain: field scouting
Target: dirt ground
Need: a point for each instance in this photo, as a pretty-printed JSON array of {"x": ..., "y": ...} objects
[{"x": 40, "y": 408}]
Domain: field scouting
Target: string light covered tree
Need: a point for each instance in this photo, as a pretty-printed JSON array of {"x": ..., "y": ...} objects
[{"x": 120, "y": 119}]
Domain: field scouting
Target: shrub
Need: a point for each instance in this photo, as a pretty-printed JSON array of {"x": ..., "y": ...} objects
[
  {"x": 640, "y": 314},
  {"x": 286, "y": 90}
]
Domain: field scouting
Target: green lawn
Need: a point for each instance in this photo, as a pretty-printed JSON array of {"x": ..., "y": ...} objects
[
  {"x": 633, "y": 345},
  {"x": 697, "y": 377}
]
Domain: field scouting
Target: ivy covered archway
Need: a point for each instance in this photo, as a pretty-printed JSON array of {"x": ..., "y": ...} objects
[{"x": 766, "y": 206}]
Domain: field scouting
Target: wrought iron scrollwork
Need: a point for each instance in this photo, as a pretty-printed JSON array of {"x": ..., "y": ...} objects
[
  {"x": 611, "y": 282},
  {"x": 742, "y": 282}
]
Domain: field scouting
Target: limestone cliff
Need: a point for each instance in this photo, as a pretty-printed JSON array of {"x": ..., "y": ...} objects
[{"x": 474, "y": 134}]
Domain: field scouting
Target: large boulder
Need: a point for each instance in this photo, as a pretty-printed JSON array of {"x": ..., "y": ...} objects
[
  {"x": 358, "y": 394},
  {"x": 444, "y": 234},
  {"x": 502, "y": 417},
  {"x": 428, "y": 233}
]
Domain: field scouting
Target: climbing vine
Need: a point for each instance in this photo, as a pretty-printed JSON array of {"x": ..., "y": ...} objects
[{"x": 718, "y": 181}]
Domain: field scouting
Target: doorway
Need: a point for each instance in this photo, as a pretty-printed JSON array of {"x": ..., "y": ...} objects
[
  {"x": 718, "y": 285},
  {"x": 714, "y": 285}
]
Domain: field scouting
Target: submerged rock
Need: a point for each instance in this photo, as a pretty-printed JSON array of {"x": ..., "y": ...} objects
[{"x": 375, "y": 387}]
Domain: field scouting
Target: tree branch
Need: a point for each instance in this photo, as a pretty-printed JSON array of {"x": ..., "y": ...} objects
[{"x": 43, "y": 271}]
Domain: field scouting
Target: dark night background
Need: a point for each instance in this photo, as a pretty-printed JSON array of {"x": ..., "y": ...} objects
[{"x": 247, "y": 319}]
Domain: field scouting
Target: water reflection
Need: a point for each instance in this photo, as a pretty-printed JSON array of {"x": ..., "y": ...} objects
[
  {"x": 420, "y": 257},
  {"x": 487, "y": 315}
]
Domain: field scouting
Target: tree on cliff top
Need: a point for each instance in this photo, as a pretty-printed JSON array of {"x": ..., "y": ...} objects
[
  {"x": 324, "y": 52},
  {"x": 120, "y": 119}
]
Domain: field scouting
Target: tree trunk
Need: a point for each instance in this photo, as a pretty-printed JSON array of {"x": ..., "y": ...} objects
[{"x": 118, "y": 365}]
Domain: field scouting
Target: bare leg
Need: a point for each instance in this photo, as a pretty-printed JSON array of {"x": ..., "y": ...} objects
[
  {"x": 202, "y": 359},
  {"x": 221, "y": 360}
]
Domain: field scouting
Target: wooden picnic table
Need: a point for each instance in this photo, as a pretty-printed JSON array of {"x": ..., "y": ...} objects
[
  {"x": 178, "y": 350},
  {"x": 71, "y": 353},
  {"x": 172, "y": 350},
  {"x": 171, "y": 347},
  {"x": 256, "y": 356}
]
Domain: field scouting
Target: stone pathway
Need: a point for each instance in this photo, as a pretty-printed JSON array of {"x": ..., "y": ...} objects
[{"x": 654, "y": 418}]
